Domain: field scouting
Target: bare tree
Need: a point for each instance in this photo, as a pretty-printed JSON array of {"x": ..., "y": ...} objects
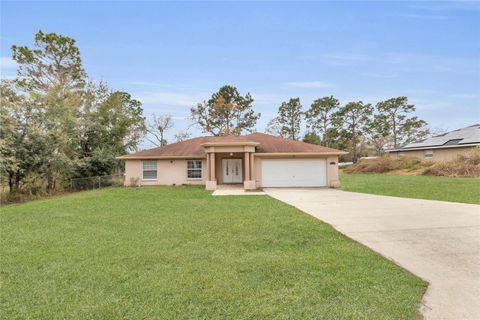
[
  {"x": 182, "y": 136},
  {"x": 160, "y": 124},
  {"x": 275, "y": 128}
]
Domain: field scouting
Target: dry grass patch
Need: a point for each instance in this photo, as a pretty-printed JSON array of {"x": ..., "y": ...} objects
[{"x": 465, "y": 165}]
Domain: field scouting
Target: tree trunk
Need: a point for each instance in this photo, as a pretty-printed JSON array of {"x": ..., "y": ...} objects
[
  {"x": 17, "y": 181},
  {"x": 10, "y": 182},
  {"x": 394, "y": 127}
]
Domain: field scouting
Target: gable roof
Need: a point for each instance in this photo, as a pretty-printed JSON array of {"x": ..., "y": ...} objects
[
  {"x": 265, "y": 143},
  {"x": 468, "y": 136}
]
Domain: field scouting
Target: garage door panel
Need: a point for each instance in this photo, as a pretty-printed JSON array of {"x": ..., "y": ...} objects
[{"x": 294, "y": 173}]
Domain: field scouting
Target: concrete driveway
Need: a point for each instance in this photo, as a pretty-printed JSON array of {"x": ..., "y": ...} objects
[{"x": 438, "y": 241}]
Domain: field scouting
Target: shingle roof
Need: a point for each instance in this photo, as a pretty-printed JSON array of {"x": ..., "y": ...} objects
[
  {"x": 267, "y": 144},
  {"x": 464, "y": 136}
]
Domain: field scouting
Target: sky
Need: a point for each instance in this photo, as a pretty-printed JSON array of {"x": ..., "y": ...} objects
[{"x": 172, "y": 55}]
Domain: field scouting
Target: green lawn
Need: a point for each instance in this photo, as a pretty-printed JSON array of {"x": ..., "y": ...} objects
[
  {"x": 465, "y": 190},
  {"x": 179, "y": 253}
]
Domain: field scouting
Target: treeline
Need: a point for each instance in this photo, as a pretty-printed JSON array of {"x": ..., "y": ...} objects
[
  {"x": 360, "y": 128},
  {"x": 56, "y": 124}
]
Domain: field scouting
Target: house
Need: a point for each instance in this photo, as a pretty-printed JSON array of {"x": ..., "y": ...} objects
[
  {"x": 255, "y": 160},
  {"x": 443, "y": 147}
]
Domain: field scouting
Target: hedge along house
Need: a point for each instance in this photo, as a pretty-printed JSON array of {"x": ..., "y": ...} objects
[
  {"x": 255, "y": 160},
  {"x": 443, "y": 147}
]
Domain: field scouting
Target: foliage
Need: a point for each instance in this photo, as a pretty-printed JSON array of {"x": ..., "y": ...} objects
[
  {"x": 182, "y": 136},
  {"x": 161, "y": 124},
  {"x": 226, "y": 113},
  {"x": 179, "y": 253},
  {"x": 57, "y": 125},
  {"x": 353, "y": 119},
  {"x": 312, "y": 137},
  {"x": 53, "y": 66},
  {"x": 465, "y": 165},
  {"x": 275, "y": 128},
  {"x": 464, "y": 190},
  {"x": 320, "y": 116},
  {"x": 290, "y": 117},
  {"x": 393, "y": 117},
  {"x": 388, "y": 164}
]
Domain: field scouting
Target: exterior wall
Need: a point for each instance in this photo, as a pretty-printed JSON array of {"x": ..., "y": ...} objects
[
  {"x": 331, "y": 163},
  {"x": 174, "y": 172},
  {"x": 169, "y": 172},
  {"x": 438, "y": 154}
]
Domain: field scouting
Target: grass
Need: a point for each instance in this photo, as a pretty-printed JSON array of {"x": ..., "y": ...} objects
[
  {"x": 466, "y": 190},
  {"x": 179, "y": 253}
]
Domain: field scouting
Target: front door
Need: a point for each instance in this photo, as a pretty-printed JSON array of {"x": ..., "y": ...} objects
[{"x": 232, "y": 170}]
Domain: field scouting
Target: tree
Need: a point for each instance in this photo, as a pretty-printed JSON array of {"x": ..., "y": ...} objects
[
  {"x": 24, "y": 144},
  {"x": 319, "y": 116},
  {"x": 52, "y": 76},
  {"x": 290, "y": 118},
  {"x": 161, "y": 124},
  {"x": 55, "y": 64},
  {"x": 395, "y": 114},
  {"x": 353, "y": 118},
  {"x": 275, "y": 128},
  {"x": 55, "y": 124},
  {"x": 378, "y": 134},
  {"x": 182, "y": 136},
  {"x": 312, "y": 137},
  {"x": 113, "y": 124},
  {"x": 226, "y": 113}
]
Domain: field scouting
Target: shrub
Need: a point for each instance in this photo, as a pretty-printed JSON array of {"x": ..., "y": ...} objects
[
  {"x": 465, "y": 165},
  {"x": 386, "y": 164}
]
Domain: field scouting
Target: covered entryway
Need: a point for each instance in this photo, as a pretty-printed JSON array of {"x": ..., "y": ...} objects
[
  {"x": 294, "y": 173},
  {"x": 230, "y": 162}
]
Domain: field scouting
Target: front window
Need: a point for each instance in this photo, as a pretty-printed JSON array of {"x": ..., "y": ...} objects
[
  {"x": 149, "y": 170},
  {"x": 428, "y": 153},
  {"x": 194, "y": 169}
]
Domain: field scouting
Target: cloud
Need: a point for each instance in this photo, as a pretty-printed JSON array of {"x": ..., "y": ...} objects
[
  {"x": 7, "y": 68},
  {"x": 267, "y": 98},
  {"x": 309, "y": 84},
  {"x": 7, "y": 63}
]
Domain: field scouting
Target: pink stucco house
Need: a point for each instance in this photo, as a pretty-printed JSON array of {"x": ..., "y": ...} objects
[{"x": 256, "y": 160}]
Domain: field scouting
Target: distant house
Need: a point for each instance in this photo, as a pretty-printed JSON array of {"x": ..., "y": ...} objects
[
  {"x": 445, "y": 146},
  {"x": 254, "y": 161}
]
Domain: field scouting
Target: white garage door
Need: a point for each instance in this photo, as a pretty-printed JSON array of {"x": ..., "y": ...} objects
[{"x": 294, "y": 173}]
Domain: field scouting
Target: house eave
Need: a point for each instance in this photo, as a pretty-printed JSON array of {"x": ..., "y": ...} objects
[
  {"x": 229, "y": 144},
  {"x": 276, "y": 154},
  {"x": 433, "y": 147},
  {"x": 159, "y": 157}
]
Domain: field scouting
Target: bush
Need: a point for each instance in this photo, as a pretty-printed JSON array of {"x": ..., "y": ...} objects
[
  {"x": 466, "y": 165},
  {"x": 386, "y": 164}
]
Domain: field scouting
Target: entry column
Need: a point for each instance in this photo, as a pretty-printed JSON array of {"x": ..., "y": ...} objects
[
  {"x": 212, "y": 166},
  {"x": 249, "y": 183},
  {"x": 211, "y": 182},
  {"x": 247, "y": 166}
]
